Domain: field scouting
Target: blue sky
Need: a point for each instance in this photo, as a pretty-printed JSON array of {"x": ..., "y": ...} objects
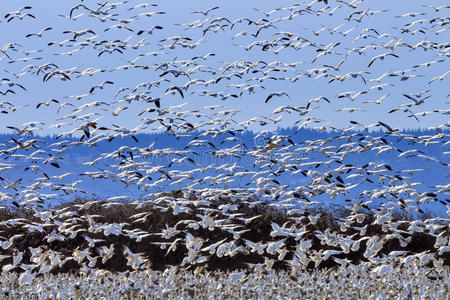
[
  {"x": 377, "y": 33},
  {"x": 48, "y": 13},
  {"x": 427, "y": 177}
]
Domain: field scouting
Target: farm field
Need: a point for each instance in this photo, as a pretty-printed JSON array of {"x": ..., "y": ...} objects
[{"x": 413, "y": 282}]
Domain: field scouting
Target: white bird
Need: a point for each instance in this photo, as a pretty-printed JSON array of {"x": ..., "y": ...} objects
[
  {"x": 39, "y": 34},
  {"x": 277, "y": 94},
  {"x": 234, "y": 278},
  {"x": 206, "y": 11},
  {"x": 8, "y": 243}
]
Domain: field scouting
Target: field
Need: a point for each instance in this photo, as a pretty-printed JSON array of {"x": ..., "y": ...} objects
[{"x": 358, "y": 282}]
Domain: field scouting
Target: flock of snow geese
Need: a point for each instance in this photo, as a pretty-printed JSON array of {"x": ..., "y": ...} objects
[
  {"x": 46, "y": 87},
  {"x": 408, "y": 283}
]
